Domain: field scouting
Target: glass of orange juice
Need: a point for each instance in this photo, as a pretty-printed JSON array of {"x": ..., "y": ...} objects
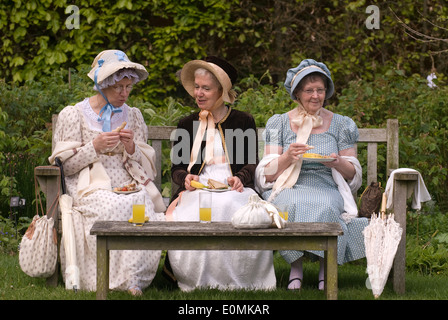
[
  {"x": 205, "y": 206},
  {"x": 138, "y": 211},
  {"x": 283, "y": 210}
]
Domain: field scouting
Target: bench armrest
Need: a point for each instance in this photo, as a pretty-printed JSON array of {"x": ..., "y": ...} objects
[{"x": 48, "y": 178}]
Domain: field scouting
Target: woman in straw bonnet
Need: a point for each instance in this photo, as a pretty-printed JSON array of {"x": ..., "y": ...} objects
[
  {"x": 228, "y": 155},
  {"x": 97, "y": 158},
  {"x": 314, "y": 191}
]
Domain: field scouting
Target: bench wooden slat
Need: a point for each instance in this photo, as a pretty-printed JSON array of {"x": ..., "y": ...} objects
[
  {"x": 372, "y": 135},
  {"x": 372, "y": 162},
  {"x": 160, "y": 132},
  {"x": 392, "y": 145}
]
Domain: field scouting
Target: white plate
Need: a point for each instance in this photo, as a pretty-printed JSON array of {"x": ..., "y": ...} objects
[
  {"x": 217, "y": 190},
  {"x": 127, "y": 192},
  {"x": 319, "y": 159}
]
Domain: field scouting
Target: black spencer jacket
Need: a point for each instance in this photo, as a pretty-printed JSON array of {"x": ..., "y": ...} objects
[{"x": 240, "y": 147}]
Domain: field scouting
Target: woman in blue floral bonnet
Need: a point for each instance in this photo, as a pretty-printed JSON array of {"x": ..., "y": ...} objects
[{"x": 315, "y": 190}]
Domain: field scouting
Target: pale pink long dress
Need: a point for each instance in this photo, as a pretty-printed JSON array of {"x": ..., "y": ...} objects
[{"x": 127, "y": 268}]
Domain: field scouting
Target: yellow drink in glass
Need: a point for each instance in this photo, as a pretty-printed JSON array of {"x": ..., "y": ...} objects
[
  {"x": 138, "y": 213},
  {"x": 284, "y": 215},
  {"x": 205, "y": 214},
  {"x": 283, "y": 211},
  {"x": 205, "y": 206}
]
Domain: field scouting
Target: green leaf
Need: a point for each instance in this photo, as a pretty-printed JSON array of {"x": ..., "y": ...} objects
[
  {"x": 17, "y": 61},
  {"x": 19, "y": 33}
]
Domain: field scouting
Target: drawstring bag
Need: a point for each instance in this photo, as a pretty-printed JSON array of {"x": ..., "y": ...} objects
[
  {"x": 257, "y": 213},
  {"x": 38, "y": 248},
  {"x": 370, "y": 200}
]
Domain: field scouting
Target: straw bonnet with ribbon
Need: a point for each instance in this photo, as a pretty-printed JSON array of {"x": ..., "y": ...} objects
[
  {"x": 106, "y": 64},
  {"x": 226, "y": 75},
  {"x": 304, "y": 121}
]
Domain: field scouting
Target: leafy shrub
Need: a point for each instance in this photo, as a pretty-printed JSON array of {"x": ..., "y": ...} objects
[
  {"x": 261, "y": 98},
  {"x": 26, "y": 117},
  {"x": 427, "y": 242},
  {"x": 422, "y": 117},
  {"x": 11, "y": 233}
]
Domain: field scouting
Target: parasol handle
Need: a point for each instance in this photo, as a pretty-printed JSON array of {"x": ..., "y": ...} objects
[
  {"x": 58, "y": 162},
  {"x": 383, "y": 206}
]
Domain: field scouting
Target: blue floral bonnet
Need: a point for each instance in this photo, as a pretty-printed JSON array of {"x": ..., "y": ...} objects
[{"x": 307, "y": 66}]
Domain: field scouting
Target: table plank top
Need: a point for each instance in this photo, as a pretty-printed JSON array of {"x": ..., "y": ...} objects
[{"x": 195, "y": 229}]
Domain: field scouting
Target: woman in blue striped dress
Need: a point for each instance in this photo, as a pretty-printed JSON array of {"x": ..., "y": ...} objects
[{"x": 315, "y": 190}]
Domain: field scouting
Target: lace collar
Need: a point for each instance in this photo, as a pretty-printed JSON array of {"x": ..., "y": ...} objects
[{"x": 92, "y": 118}]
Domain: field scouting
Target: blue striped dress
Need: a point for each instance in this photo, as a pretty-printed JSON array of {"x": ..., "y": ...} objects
[{"x": 315, "y": 196}]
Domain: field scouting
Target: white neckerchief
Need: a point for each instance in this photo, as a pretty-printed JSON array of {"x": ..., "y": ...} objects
[
  {"x": 305, "y": 123},
  {"x": 206, "y": 122}
]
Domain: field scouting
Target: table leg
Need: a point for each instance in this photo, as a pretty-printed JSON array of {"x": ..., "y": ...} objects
[
  {"x": 400, "y": 209},
  {"x": 102, "y": 268},
  {"x": 331, "y": 269}
]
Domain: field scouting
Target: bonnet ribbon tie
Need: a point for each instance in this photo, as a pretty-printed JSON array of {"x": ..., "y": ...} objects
[
  {"x": 305, "y": 123},
  {"x": 207, "y": 122},
  {"x": 108, "y": 109}
]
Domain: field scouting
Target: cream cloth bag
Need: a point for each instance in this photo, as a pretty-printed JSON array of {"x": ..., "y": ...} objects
[
  {"x": 257, "y": 213},
  {"x": 38, "y": 249}
]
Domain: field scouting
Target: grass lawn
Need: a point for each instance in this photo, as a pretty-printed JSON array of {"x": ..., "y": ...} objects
[{"x": 15, "y": 285}]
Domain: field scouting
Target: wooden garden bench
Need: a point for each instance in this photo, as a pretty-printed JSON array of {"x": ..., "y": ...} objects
[{"x": 368, "y": 137}]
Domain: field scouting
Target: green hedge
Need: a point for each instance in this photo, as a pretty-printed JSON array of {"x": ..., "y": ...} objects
[{"x": 422, "y": 116}]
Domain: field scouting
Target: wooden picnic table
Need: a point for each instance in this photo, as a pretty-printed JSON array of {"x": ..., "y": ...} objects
[{"x": 162, "y": 235}]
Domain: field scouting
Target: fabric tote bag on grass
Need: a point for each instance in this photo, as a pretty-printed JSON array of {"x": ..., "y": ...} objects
[{"x": 38, "y": 248}]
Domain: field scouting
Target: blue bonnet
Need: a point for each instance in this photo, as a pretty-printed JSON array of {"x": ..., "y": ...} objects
[{"x": 307, "y": 66}]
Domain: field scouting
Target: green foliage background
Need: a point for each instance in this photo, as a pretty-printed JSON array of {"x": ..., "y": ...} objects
[{"x": 255, "y": 35}]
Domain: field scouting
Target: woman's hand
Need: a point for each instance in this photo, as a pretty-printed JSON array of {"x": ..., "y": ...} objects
[
  {"x": 335, "y": 163},
  {"x": 345, "y": 167},
  {"x": 295, "y": 150},
  {"x": 105, "y": 140},
  {"x": 235, "y": 183},
  {"x": 188, "y": 180},
  {"x": 127, "y": 139}
]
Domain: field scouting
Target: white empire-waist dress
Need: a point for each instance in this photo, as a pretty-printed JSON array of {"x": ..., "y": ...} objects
[
  {"x": 223, "y": 269},
  {"x": 78, "y": 125}
]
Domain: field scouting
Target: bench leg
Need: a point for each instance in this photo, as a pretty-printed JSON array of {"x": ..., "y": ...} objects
[
  {"x": 331, "y": 269},
  {"x": 102, "y": 268}
]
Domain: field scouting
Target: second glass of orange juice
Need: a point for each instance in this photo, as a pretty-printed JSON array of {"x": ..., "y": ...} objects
[
  {"x": 205, "y": 206},
  {"x": 283, "y": 211}
]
